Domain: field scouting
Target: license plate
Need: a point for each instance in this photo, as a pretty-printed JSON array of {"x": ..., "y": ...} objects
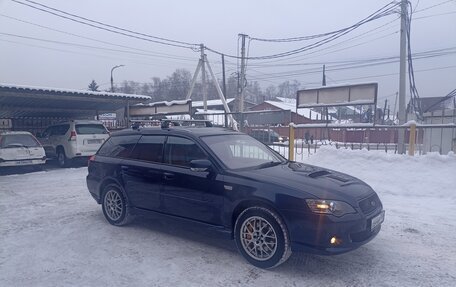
[
  {"x": 377, "y": 220},
  {"x": 20, "y": 162},
  {"x": 93, "y": 141}
]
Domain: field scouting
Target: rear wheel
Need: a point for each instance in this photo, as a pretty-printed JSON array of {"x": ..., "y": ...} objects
[
  {"x": 62, "y": 160},
  {"x": 262, "y": 237},
  {"x": 115, "y": 207}
]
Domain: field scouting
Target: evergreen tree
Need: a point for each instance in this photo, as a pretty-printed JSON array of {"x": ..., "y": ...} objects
[{"x": 93, "y": 86}]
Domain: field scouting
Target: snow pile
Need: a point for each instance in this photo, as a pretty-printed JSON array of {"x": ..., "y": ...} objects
[
  {"x": 53, "y": 234},
  {"x": 427, "y": 175}
]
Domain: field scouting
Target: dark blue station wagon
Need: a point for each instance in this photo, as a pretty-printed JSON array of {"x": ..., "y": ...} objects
[{"x": 233, "y": 183}]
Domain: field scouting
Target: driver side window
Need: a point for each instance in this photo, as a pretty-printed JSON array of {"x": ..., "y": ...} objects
[{"x": 180, "y": 151}]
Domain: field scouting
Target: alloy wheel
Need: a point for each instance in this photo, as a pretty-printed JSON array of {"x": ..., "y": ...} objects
[
  {"x": 113, "y": 205},
  {"x": 258, "y": 238}
]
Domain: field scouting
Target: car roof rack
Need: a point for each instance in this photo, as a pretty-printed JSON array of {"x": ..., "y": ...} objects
[
  {"x": 137, "y": 124},
  {"x": 166, "y": 123}
]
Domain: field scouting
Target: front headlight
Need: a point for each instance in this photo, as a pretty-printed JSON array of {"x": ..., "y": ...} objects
[{"x": 334, "y": 207}]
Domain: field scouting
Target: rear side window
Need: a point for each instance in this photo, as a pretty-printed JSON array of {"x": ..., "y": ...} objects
[
  {"x": 119, "y": 146},
  {"x": 60, "y": 130},
  {"x": 149, "y": 148},
  {"x": 18, "y": 140},
  {"x": 90, "y": 129}
]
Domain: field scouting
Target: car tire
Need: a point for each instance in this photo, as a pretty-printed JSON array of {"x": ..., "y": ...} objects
[
  {"x": 115, "y": 206},
  {"x": 62, "y": 160},
  {"x": 262, "y": 237}
]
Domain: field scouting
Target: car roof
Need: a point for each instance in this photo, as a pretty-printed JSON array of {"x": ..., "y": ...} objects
[
  {"x": 79, "y": 122},
  {"x": 15, "y": 133},
  {"x": 179, "y": 130}
]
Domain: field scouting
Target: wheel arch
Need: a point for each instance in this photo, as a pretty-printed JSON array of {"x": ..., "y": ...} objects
[
  {"x": 252, "y": 202},
  {"x": 108, "y": 181}
]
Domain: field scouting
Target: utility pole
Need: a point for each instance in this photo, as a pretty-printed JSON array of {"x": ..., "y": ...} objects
[
  {"x": 202, "y": 66},
  {"x": 323, "y": 83},
  {"x": 402, "y": 78},
  {"x": 324, "y": 76},
  {"x": 242, "y": 80},
  {"x": 224, "y": 86},
  {"x": 384, "y": 112},
  {"x": 395, "y": 107},
  {"x": 203, "y": 77}
]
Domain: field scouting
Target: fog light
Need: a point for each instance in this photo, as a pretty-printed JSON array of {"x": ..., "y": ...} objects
[{"x": 335, "y": 241}]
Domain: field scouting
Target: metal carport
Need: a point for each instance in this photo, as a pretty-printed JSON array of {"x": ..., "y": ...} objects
[{"x": 28, "y": 102}]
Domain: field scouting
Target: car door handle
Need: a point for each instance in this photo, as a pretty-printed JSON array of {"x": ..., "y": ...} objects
[{"x": 168, "y": 176}]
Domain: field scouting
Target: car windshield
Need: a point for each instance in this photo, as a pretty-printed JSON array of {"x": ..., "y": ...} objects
[
  {"x": 18, "y": 140},
  {"x": 90, "y": 129},
  {"x": 242, "y": 151}
]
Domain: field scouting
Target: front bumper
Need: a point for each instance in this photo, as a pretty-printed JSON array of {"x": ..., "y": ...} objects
[{"x": 312, "y": 233}]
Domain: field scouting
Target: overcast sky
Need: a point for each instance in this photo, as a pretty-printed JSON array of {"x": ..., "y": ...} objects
[{"x": 217, "y": 24}]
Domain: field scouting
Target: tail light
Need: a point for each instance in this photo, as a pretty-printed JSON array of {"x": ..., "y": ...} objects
[
  {"x": 72, "y": 136},
  {"x": 91, "y": 158}
]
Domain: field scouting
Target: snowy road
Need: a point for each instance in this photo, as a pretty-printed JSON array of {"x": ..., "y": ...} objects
[{"x": 52, "y": 233}]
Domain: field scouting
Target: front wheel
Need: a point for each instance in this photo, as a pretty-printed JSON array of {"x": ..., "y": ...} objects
[
  {"x": 262, "y": 237},
  {"x": 115, "y": 207}
]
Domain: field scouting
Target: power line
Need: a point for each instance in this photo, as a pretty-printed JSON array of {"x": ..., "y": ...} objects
[
  {"x": 348, "y": 40},
  {"x": 433, "y": 6},
  {"x": 122, "y": 31},
  {"x": 448, "y": 96},
  {"x": 345, "y": 65},
  {"x": 419, "y": 55},
  {"x": 305, "y": 56},
  {"x": 382, "y": 12},
  {"x": 434, "y": 15},
  {"x": 89, "y": 38},
  {"x": 375, "y": 76},
  {"x": 91, "y": 47},
  {"x": 87, "y": 54},
  {"x": 112, "y": 26}
]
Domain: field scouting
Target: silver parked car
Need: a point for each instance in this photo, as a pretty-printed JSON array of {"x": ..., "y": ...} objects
[{"x": 20, "y": 149}]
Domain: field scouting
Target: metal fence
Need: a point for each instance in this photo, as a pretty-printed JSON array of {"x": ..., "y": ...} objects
[{"x": 272, "y": 128}]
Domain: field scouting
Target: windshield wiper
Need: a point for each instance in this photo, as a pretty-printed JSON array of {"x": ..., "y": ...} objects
[{"x": 268, "y": 164}]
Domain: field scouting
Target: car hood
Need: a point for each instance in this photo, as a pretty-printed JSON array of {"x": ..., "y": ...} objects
[{"x": 316, "y": 181}]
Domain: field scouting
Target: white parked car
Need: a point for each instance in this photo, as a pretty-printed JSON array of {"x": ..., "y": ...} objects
[
  {"x": 74, "y": 139},
  {"x": 20, "y": 149}
]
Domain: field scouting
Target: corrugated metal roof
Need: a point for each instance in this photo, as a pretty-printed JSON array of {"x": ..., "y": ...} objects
[
  {"x": 28, "y": 101},
  {"x": 305, "y": 112},
  {"x": 71, "y": 91}
]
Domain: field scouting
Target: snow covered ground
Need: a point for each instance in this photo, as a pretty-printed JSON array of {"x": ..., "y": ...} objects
[{"x": 52, "y": 233}]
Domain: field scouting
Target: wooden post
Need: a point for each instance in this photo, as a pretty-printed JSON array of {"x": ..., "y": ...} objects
[
  {"x": 411, "y": 150},
  {"x": 291, "y": 143}
]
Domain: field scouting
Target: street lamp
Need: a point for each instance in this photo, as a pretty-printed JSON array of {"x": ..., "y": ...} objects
[{"x": 112, "y": 80}]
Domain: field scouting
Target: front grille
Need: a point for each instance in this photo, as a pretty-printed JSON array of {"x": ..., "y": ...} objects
[{"x": 369, "y": 204}]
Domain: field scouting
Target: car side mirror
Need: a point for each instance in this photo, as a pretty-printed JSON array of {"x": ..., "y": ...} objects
[{"x": 200, "y": 165}]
